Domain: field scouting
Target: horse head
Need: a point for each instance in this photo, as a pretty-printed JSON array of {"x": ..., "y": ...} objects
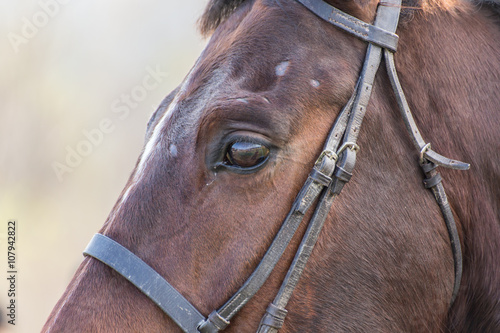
[{"x": 227, "y": 154}]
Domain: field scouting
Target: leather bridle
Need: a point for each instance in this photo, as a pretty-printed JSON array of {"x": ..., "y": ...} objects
[{"x": 331, "y": 172}]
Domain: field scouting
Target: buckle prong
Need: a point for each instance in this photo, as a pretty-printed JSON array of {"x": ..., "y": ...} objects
[
  {"x": 423, "y": 151},
  {"x": 351, "y": 145},
  {"x": 326, "y": 153}
]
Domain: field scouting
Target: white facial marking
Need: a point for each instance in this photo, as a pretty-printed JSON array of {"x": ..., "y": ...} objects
[
  {"x": 315, "y": 83},
  {"x": 242, "y": 100},
  {"x": 153, "y": 141},
  {"x": 281, "y": 68},
  {"x": 173, "y": 150}
]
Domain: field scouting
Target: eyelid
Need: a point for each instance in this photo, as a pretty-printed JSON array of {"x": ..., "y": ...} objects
[
  {"x": 257, "y": 117},
  {"x": 246, "y": 136}
]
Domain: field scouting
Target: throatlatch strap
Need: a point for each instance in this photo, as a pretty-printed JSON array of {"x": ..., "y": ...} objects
[
  {"x": 410, "y": 124},
  {"x": 146, "y": 280},
  {"x": 433, "y": 181}
]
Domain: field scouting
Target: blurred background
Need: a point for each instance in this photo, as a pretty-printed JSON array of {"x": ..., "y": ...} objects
[{"x": 78, "y": 82}]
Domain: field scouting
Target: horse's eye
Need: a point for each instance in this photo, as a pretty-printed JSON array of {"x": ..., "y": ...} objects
[{"x": 244, "y": 154}]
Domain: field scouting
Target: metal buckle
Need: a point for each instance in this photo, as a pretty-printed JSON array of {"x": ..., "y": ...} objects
[
  {"x": 326, "y": 153},
  {"x": 423, "y": 151},
  {"x": 351, "y": 145}
]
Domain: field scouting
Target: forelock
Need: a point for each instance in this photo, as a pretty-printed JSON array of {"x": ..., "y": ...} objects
[{"x": 215, "y": 13}]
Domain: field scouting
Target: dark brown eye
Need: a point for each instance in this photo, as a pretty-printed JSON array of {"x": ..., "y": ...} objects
[{"x": 246, "y": 154}]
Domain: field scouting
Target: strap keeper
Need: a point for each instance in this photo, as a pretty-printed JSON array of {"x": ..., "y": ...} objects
[
  {"x": 320, "y": 177},
  {"x": 214, "y": 323},
  {"x": 326, "y": 162},
  {"x": 432, "y": 181},
  {"x": 428, "y": 166},
  {"x": 274, "y": 317},
  {"x": 342, "y": 174}
]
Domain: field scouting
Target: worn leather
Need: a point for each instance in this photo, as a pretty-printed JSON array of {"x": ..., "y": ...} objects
[
  {"x": 374, "y": 34},
  {"x": 274, "y": 317}
]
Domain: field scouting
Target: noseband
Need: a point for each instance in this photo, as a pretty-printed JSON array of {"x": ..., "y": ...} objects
[{"x": 331, "y": 172}]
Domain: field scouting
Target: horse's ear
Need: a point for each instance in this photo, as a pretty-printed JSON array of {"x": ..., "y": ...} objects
[
  {"x": 215, "y": 13},
  {"x": 156, "y": 116}
]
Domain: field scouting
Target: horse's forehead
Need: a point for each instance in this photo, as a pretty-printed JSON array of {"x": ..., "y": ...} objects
[
  {"x": 228, "y": 69},
  {"x": 245, "y": 57}
]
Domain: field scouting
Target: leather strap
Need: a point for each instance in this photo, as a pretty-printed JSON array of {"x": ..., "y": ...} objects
[
  {"x": 432, "y": 181},
  {"x": 410, "y": 124},
  {"x": 429, "y": 161},
  {"x": 146, "y": 280},
  {"x": 274, "y": 317},
  {"x": 300, "y": 260},
  {"x": 214, "y": 323},
  {"x": 369, "y": 33},
  {"x": 387, "y": 18},
  {"x": 435, "y": 184}
]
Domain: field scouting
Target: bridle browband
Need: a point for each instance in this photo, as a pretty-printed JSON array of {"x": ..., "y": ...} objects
[{"x": 331, "y": 172}]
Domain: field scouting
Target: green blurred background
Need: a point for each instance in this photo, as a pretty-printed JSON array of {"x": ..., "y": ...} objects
[{"x": 61, "y": 79}]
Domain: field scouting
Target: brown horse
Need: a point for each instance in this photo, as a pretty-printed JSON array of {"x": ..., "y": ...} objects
[{"x": 227, "y": 152}]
